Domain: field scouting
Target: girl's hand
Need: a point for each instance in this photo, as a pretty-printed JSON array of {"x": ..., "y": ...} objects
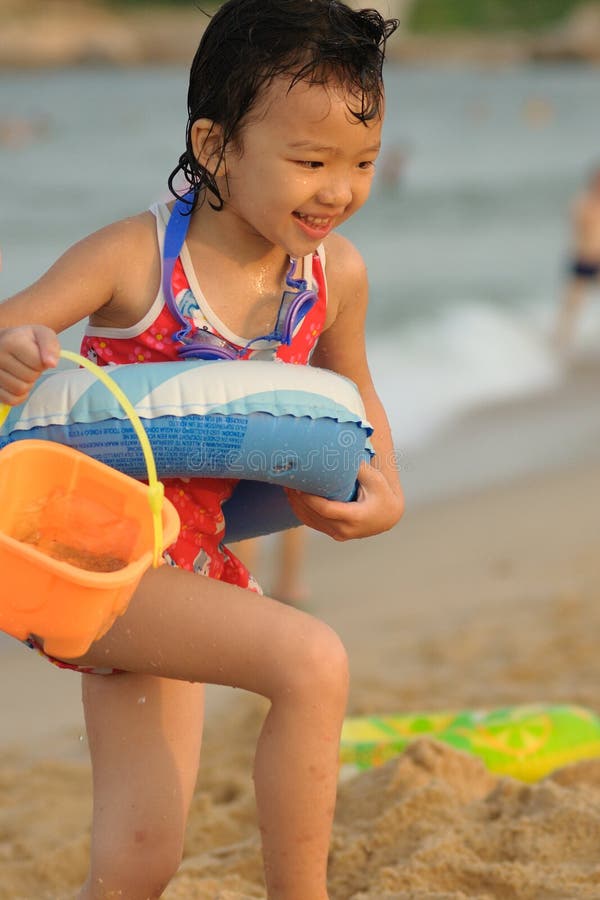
[
  {"x": 24, "y": 354},
  {"x": 377, "y": 508}
]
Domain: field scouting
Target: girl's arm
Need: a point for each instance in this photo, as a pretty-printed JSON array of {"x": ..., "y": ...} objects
[
  {"x": 107, "y": 273},
  {"x": 111, "y": 275},
  {"x": 341, "y": 348}
]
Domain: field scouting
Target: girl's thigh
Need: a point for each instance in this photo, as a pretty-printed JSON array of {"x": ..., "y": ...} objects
[{"x": 185, "y": 626}]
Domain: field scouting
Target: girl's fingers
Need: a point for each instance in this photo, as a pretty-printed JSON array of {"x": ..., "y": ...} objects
[
  {"x": 332, "y": 510},
  {"x": 48, "y": 346},
  {"x": 24, "y": 353},
  {"x": 373, "y": 510},
  {"x": 336, "y": 520},
  {"x": 14, "y": 392},
  {"x": 336, "y": 510},
  {"x": 15, "y": 368},
  {"x": 27, "y": 351}
]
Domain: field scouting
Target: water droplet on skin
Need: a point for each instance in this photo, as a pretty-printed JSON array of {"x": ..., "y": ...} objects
[{"x": 141, "y": 700}]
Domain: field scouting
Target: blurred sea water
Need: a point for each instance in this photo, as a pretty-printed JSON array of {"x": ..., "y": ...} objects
[{"x": 466, "y": 234}]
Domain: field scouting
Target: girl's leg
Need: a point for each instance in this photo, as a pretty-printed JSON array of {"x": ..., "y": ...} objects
[
  {"x": 144, "y": 735},
  {"x": 185, "y": 627}
]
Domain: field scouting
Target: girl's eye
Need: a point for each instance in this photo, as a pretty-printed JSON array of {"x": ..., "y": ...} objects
[
  {"x": 309, "y": 163},
  {"x": 366, "y": 165}
]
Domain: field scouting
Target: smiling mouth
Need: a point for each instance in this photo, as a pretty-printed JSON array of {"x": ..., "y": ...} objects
[{"x": 318, "y": 222}]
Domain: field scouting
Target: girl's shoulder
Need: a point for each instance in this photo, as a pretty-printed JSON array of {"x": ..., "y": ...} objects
[
  {"x": 344, "y": 260},
  {"x": 346, "y": 269},
  {"x": 134, "y": 232},
  {"x": 133, "y": 246},
  {"x": 111, "y": 272},
  {"x": 115, "y": 247},
  {"x": 120, "y": 264}
]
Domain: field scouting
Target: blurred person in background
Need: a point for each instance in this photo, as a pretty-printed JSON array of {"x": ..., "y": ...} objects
[
  {"x": 584, "y": 267},
  {"x": 289, "y": 552}
]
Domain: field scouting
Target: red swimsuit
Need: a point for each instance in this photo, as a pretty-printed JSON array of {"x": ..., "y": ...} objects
[
  {"x": 198, "y": 501},
  {"x": 199, "y": 547}
]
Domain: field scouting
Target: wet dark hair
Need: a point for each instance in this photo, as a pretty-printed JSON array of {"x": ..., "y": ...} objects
[{"x": 248, "y": 43}]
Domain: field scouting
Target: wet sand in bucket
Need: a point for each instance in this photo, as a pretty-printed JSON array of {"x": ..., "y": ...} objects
[
  {"x": 75, "y": 556},
  {"x": 78, "y": 531}
]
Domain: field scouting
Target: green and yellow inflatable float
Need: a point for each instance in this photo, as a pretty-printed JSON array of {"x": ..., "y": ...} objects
[{"x": 525, "y": 742}]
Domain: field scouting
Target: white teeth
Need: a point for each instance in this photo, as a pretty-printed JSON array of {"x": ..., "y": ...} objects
[{"x": 313, "y": 220}]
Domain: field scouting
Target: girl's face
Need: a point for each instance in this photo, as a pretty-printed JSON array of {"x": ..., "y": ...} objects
[{"x": 304, "y": 166}]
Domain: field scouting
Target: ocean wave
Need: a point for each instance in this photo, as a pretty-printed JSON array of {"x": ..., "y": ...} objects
[{"x": 430, "y": 373}]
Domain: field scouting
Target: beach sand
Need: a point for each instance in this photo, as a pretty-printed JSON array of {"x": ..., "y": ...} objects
[{"x": 477, "y": 599}]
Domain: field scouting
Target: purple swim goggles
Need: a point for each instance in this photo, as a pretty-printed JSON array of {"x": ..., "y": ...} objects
[{"x": 200, "y": 344}]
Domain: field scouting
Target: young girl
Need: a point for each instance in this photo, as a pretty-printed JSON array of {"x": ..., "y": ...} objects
[{"x": 285, "y": 116}]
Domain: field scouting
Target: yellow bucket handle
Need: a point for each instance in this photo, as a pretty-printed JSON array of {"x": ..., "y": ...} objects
[{"x": 155, "y": 487}]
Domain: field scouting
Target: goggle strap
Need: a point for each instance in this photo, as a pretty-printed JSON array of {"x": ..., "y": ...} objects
[
  {"x": 298, "y": 284},
  {"x": 293, "y": 309},
  {"x": 197, "y": 351}
]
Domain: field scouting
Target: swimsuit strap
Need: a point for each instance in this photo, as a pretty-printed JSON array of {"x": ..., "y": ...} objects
[{"x": 175, "y": 235}]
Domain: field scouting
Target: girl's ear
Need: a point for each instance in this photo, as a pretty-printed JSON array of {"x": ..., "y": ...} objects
[{"x": 207, "y": 143}]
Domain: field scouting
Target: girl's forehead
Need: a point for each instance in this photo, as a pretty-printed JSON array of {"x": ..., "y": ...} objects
[{"x": 309, "y": 104}]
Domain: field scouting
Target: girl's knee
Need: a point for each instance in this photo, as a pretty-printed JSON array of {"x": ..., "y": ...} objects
[{"x": 319, "y": 664}]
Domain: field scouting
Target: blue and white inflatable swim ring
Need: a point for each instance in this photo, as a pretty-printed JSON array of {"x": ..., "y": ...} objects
[{"x": 270, "y": 424}]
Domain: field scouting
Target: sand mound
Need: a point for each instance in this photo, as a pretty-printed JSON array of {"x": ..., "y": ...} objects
[
  {"x": 435, "y": 824},
  {"x": 432, "y": 824}
]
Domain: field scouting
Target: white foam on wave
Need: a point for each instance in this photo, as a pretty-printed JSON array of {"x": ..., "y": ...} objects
[{"x": 429, "y": 373}]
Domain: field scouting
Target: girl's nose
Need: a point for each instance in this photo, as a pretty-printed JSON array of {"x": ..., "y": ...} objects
[{"x": 337, "y": 192}]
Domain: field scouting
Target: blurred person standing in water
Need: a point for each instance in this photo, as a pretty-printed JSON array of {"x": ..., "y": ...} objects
[{"x": 584, "y": 267}]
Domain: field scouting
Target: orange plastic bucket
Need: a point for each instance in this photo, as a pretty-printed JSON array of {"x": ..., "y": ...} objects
[{"x": 76, "y": 536}]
